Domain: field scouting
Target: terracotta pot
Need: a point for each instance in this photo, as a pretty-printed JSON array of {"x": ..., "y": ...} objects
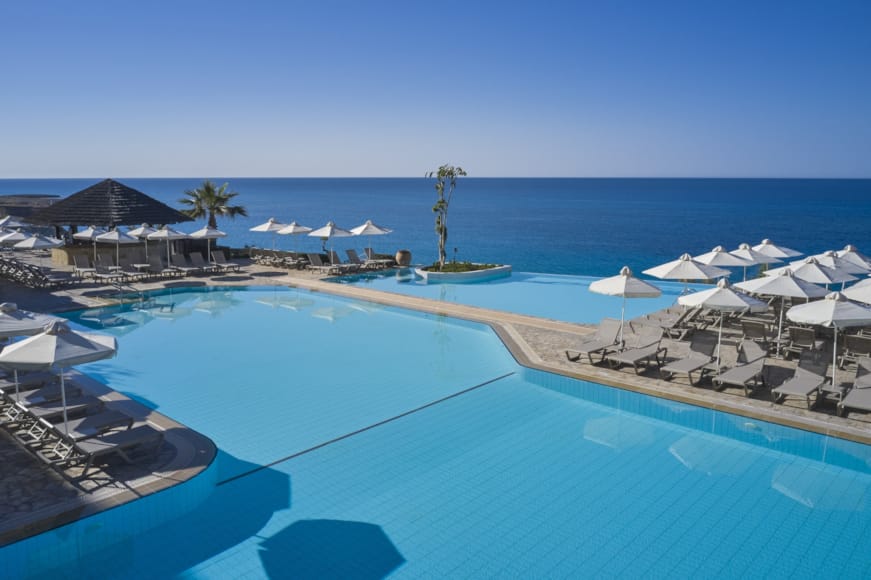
[{"x": 403, "y": 258}]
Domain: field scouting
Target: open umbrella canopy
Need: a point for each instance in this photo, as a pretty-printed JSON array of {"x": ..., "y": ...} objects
[
  {"x": 12, "y": 238},
  {"x": 109, "y": 203},
  {"x": 626, "y": 285},
  {"x": 330, "y": 230},
  {"x": 834, "y": 311},
  {"x": 769, "y": 248},
  {"x": 15, "y": 322},
  {"x": 89, "y": 233},
  {"x": 370, "y": 229},
  {"x": 117, "y": 237},
  {"x": 832, "y": 260},
  {"x": 12, "y": 222},
  {"x": 37, "y": 242},
  {"x": 720, "y": 257},
  {"x": 860, "y": 291},
  {"x": 851, "y": 254},
  {"x": 686, "y": 268},
  {"x": 141, "y": 232},
  {"x": 270, "y": 225},
  {"x": 293, "y": 229},
  {"x": 747, "y": 253},
  {"x": 811, "y": 270}
]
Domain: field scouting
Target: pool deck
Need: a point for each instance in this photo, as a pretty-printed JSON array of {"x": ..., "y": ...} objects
[{"x": 538, "y": 343}]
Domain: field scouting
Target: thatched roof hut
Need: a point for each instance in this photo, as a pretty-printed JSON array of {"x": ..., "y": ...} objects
[{"x": 108, "y": 203}]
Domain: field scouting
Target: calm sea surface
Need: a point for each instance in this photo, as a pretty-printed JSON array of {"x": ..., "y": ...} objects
[{"x": 566, "y": 226}]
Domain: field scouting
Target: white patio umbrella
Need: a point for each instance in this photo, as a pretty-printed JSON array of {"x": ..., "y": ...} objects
[
  {"x": 627, "y": 286},
  {"x": 15, "y": 322},
  {"x": 370, "y": 229},
  {"x": 860, "y": 291},
  {"x": 56, "y": 349},
  {"x": 785, "y": 285},
  {"x": 832, "y": 260},
  {"x": 168, "y": 234},
  {"x": 753, "y": 257},
  {"x": 769, "y": 248},
  {"x": 722, "y": 298},
  {"x": 142, "y": 233},
  {"x": 685, "y": 268},
  {"x": 13, "y": 237},
  {"x": 208, "y": 234},
  {"x": 811, "y": 270},
  {"x": 851, "y": 254},
  {"x": 329, "y": 232},
  {"x": 37, "y": 242},
  {"x": 720, "y": 257},
  {"x": 269, "y": 226},
  {"x": 90, "y": 233},
  {"x": 117, "y": 237},
  {"x": 834, "y": 311},
  {"x": 12, "y": 222},
  {"x": 293, "y": 229}
]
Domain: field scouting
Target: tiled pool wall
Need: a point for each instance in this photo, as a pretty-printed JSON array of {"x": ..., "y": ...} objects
[
  {"x": 64, "y": 551},
  {"x": 780, "y": 438}
]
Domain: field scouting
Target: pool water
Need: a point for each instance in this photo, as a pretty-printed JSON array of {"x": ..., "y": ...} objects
[
  {"x": 552, "y": 296},
  {"x": 363, "y": 441}
]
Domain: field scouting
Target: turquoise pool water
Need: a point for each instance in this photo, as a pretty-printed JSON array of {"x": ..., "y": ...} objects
[
  {"x": 358, "y": 441},
  {"x": 546, "y": 295}
]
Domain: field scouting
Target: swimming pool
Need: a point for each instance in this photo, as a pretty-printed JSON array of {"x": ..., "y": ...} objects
[
  {"x": 545, "y": 295},
  {"x": 443, "y": 457}
]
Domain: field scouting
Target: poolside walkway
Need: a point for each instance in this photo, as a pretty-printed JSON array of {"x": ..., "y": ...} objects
[{"x": 48, "y": 500}]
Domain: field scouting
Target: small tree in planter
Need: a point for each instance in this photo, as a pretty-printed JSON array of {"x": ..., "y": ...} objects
[{"x": 445, "y": 176}]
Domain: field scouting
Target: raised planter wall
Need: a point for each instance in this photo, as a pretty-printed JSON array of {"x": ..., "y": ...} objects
[{"x": 463, "y": 277}]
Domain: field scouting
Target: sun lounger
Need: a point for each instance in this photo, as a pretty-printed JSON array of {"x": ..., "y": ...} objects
[
  {"x": 121, "y": 443},
  {"x": 800, "y": 340},
  {"x": 219, "y": 258},
  {"x": 354, "y": 258},
  {"x": 600, "y": 342},
  {"x": 82, "y": 267},
  {"x": 749, "y": 373},
  {"x": 41, "y": 394},
  {"x": 859, "y": 396},
  {"x": 756, "y": 331},
  {"x": 644, "y": 348},
  {"x": 856, "y": 346},
  {"x": 157, "y": 267},
  {"x": 75, "y": 429},
  {"x": 180, "y": 263},
  {"x": 316, "y": 263},
  {"x": 701, "y": 355},
  {"x": 197, "y": 261},
  {"x": 679, "y": 325},
  {"x": 809, "y": 377}
]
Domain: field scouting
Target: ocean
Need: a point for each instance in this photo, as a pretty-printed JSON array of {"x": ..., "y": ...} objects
[{"x": 562, "y": 226}]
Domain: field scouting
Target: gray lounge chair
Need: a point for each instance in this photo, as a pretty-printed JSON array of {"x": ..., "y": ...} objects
[
  {"x": 756, "y": 331},
  {"x": 749, "y": 373},
  {"x": 856, "y": 346},
  {"x": 800, "y": 340},
  {"x": 219, "y": 258},
  {"x": 75, "y": 429},
  {"x": 197, "y": 261},
  {"x": 701, "y": 355},
  {"x": 603, "y": 340},
  {"x": 316, "y": 263},
  {"x": 858, "y": 397},
  {"x": 180, "y": 263},
  {"x": 119, "y": 443},
  {"x": 809, "y": 377},
  {"x": 644, "y": 347}
]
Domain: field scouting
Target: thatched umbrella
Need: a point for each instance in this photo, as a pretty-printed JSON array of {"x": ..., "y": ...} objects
[{"x": 108, "y": 203}]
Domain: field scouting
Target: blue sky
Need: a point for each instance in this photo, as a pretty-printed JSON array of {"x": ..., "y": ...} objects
[{"x": 384, "y": 88}]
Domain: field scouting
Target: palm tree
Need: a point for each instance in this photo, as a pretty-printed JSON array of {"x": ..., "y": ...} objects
[{"x": 211, "y": 200}]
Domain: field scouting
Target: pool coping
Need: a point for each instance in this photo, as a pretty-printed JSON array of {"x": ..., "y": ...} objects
[{"x": 505, "y": 325}]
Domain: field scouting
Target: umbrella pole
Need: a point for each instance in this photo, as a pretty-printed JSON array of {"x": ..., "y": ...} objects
[
  {"x": 168, "y": 261},
  {"x": 834, "y": 357},
  {"x": 209, "y": 250},
  {"x": 17, "y": 396},
  {"x": 95, "y": 252},
  {"x": 63, "y": 396},
  {"x": 780, "y": 324},
  {"x": 719, "y": 341},
  {"x": 146, "y": 249},
  {"x": 622, "y": 315}
]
